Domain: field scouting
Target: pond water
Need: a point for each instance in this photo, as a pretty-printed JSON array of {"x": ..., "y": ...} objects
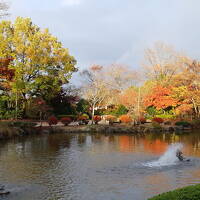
[{"x": 96, "y": 166}]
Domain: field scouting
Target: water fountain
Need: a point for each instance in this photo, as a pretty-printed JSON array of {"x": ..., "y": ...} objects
[{"x": 168, "y": 158}]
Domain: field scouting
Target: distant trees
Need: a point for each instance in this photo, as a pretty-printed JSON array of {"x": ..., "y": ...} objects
[{"x": 162, "y": 62}]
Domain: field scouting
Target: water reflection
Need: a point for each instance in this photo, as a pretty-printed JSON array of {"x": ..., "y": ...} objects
[{"x": 95, "y": 166}]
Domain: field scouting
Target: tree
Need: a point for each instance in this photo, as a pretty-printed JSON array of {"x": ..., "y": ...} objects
[
  {"x": 189, "y": 78},
  {"x": 162, "y": 62},
  {"x": 129, "y": 98},
  {"x": 160, "y": 98},
  {"x": 40, "y": 62},
  {"x": 94, "y": 90}
]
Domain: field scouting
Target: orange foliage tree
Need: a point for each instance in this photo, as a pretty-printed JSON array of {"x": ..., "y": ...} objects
[
  {"x": 160, "y": 98},
  {"x": 129, "y": 99},
  {"x": 6, "y": 74}
]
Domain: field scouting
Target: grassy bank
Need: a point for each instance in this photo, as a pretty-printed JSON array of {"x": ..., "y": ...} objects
[{"x": 186, "y": 193}]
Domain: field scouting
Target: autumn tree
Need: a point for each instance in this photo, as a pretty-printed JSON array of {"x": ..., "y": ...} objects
[
  {"x": 189, "y": 78},
  {"x": 162, "y": 62},
  {"x": 160, "y": 99},
  {"x": 94, "y": 89},
  {"x": 40, "y": 62},
  {"x": 129, "y": 98}
]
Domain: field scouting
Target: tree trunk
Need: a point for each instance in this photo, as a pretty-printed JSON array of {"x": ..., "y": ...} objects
[{"x": 93, "y": 107}]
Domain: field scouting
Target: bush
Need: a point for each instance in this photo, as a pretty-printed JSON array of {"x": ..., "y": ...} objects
[
  {"x": 66, "y": 120},
  {"x": 83, "y": 119},
  {"x": 166, "y": 116},
  {"x": 96, "y": 119},
  {"x": 142, "y": 120},
  {"x": 52, "y": 120},
  {"x": 125, "y": 119},
  {"x": 72, "y": 117},
  {"x": 156, "y": 125},
  {"x": 195, "y": 122},
  {"x": 158, "y": 120},
  {"x": 186, "y": 193},
  {"x": 110, "y": 118},
  {"x": 183, "y": 123}
]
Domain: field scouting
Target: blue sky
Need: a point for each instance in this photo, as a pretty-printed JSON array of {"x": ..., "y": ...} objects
[{"x": 110, "y": 31}]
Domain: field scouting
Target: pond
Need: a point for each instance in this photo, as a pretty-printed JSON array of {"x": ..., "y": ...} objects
[{"x": 95, "y": 166}]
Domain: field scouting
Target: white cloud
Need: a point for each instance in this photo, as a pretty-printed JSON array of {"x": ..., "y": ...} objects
[{"x": 71, "y": 2}]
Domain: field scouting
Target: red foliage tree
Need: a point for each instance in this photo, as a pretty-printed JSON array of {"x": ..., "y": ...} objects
[{"x": 6, "y": 74}]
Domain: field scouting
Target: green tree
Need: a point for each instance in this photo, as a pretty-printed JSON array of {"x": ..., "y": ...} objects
[{"x": 40, "y": 62}]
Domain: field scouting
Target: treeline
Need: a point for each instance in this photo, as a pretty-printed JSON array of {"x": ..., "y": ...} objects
[
  {"x": 35, "y": 71},
  {"x": 167, "y": 87}
]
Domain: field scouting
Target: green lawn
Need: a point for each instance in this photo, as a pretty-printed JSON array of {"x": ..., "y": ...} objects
[{"x": 186, "y": 193}]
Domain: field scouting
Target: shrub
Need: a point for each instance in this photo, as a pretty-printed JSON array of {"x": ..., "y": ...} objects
[
  {"x": 183, "y": 123},
  {"x": 156, "y": 125},
  {"x": 110, "y": 118},
  {"x": 142, "y": 120},
  {"x": 66, "y": 120},
  {"x": 83, "y": 119},
  {"x": 125, "y": 119},
  {"x": 195, "y": 122},
  {"x": 158, "y": 120},
  {"x": 187, "y": 193},
  {"x": 52, "y": 120},
  {"x": 72, "y": 117},
  {"x": 96, "y": 119}
]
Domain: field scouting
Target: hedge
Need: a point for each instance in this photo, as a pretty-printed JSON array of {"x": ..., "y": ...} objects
[{"x": 186, "y": 193}]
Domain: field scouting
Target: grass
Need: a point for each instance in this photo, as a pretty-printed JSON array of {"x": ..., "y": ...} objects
[{"x": 186, "y": 193}]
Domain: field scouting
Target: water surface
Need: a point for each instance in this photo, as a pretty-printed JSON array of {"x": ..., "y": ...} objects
[{"x": 95, "y": 167}]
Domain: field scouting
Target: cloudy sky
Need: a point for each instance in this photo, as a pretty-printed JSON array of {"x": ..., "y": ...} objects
[{"x": 110, "y": 31}]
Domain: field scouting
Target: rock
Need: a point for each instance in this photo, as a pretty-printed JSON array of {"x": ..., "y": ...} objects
[{"x": 4, "y": 192}]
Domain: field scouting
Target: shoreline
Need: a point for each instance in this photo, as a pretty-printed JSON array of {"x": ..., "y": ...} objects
[{"x": 108, "y": 129}]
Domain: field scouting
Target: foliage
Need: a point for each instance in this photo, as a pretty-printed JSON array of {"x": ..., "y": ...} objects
[
  {"x": 142, "y": 120},
  {"x": 129, "y": 99},
  {"x": 110, "y": 118},
  {"x": 160, "y": 98},
  {"x": 82, "y": 106},
  {"x": 83, "y": 117},
  {"x": 72, "y": 117},
  {"x": 183, "y": 123},
  {"x": 40, "y": 63},
  {"x": 52, "y": 120},
  {"x": 116, "y": 110},
  {"x": 66, "y": 120},
  {"x": 158, "y": 120},
  {"x": 156, "y": 125},
  {"x": 195, "y": 122},
  {"x": 125, "y": 119},
  {"x": 186, "y": 193},
  {"x": 166, "y": 116},
  {"x": 97, "y": 118}
]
